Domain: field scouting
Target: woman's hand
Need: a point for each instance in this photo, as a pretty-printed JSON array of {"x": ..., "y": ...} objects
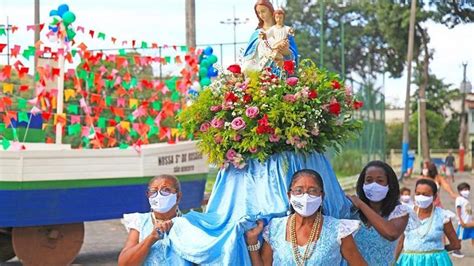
[
  {"x": 252, "y": 234},
  {"x": 355, "y": 201},
  {"x": 283, "y": 47},
  {"x": 163, "y": 227}
]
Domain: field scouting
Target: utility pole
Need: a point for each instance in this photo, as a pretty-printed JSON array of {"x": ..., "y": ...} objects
[
  {"x": 321, "y": 34},
  {"x": 411, "y": 37},
  {"x": 463, "y": 126},
  {"x": 7, "y": 28},
  {"x": 37, "y": 36},
  {"x": 235, "y": 21},
  {"x": 190, "y": 23}
]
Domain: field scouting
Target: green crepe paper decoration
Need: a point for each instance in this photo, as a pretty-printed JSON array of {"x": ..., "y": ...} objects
[
  {"x": 184, "y": 48},
  {"x": 109, "y": 83},
  {"x": 73, "y": 109},
  {"x": 86, "y": 142},
  {"x": 153, "y": 131},
  {"x": 171, "y": 83},
  {"x": 123, "y": 146},
  {"x": 27, "y": 53},
  {"x": 70, "y": 34},
  {"x": 108, "y": 101},
  {"x": 2, "y": 127},
  {"x": 212, "y": 59},
  {"x": 122, "y": 52},
  {"x": 101, "y": 123},
  {"x": 101, "y": 36},
  {"x": 133, "y": 82},
  {"x": 156, "y": 105},
  {"x": 144, "y": 45},
  {"x": 190, "y": 136},
  {"x": 37, "y": 76},
  {"x": 73, "y": 129},
  {"x": 73, "y": 52},
  {"x": 118, "y": 119},
  {"x": 133, "y": 133},
  {"x": 126, "y": 85},
  {"x": 5, "y": 143},
  {"x": 54, "y": 22},
  {"x": 131, "y": 118},
  {"x": 68, "y": 17},
  {"x": 175, "y": 96},
  {"x": 168, "y": 59},
  {"x": 150, "y": 121},
  {"x": 82, "y": 74},
  {"x": 21, "y": 103},
  {"x": 2, "y": 31},
  {"x": 22, "y": 117}
]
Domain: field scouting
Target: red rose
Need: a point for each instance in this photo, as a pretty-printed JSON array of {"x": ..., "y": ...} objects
[
  {"x": 235, "y": 69},
  {"x": 312, "y": 94},
  {"x": 289, "y": 66},
  {"x": 335, "y": 84},
  {"x": 230, "y": 97},
  {"x": 263, "y": 121},
  {"x": 358, "y": 104},
  {"x": 247, "y": 98},
  {"x": 335, "y": 108}
]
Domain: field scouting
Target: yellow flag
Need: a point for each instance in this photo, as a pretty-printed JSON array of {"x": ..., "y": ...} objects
[
  {"x": 133, "y": 103},
  {"x": 125, "y": 125},
  {"x": 69, "y": 93},
  {"x": 7, "y": 88},
  {"x": 110, "y": 131}
]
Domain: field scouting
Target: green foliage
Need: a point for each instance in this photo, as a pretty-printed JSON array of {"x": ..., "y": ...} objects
[
  {"x": 393, "y": 136},
  {"x": 312, "y": 114},
  {"x": 347, "y": 163}
]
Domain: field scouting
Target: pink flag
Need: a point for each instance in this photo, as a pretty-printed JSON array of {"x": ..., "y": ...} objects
[{"x": 75, "y": 119}]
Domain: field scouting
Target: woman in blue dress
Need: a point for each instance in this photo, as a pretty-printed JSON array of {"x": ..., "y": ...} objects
[
  {"x": 148, "y": 242},
  {"x": 306, "y": 237},
  {"x": 383, "y": 218},
  {"x": 424, "y": 245}
]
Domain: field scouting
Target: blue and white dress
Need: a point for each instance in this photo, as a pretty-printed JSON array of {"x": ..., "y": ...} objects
[
  {"x": 424, "y": 245},
  {"x": 161, "y": 252},
  {"x": 377, "y": 250},
  {"x": 328, "y": 246}
]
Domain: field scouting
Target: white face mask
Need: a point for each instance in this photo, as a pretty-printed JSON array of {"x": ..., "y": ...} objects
[
  {"x": 163, "y": 204},
  {"x": 405, "y": 198},
  {"x": 465, "y": 193},
  {"x": 425, "y": 171},
  {"x": 375, "y": 192},
  {"x": 423, "y": 201},
  {"x": 305, "y": 205}
]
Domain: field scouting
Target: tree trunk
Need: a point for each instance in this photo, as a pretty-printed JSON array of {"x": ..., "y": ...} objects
[
  {"x": 190, "y": 23},
  {"x": 425, "y": 146}
]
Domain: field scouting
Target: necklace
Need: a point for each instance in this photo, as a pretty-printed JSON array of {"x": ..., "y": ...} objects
[
  {"x": 156, "y": 221},
  {"x": 310, "y": 245},
  {"x": 429, "y": 225}
]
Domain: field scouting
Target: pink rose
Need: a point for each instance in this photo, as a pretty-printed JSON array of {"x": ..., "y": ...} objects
[
  {"x": 216, "y": 108},
  {"x": 274, "y": 138},
  {"x": 252, "y": 112},
  {"x": 289, "y": 98},
  {"x": 292, "y": 81},
  {"x": 227, "y": 106},
  {"x": 217, "y": 122},
  {"x": 205, "y": 126},
  {"x": 238, "y": 123},
  {"x": 237, "y": 137},
  {"x": 230, "y": 155},
  {"x": 253, "y": 149}
]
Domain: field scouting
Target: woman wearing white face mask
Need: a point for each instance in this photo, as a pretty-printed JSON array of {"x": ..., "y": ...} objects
[
  {"x": 147, "y": 242},
  {"x": 306, "y": 237},
  {"x": 424, "y": 245},
  {"x": 384, "y": 218},
  {"x": 430, "y": 171}
]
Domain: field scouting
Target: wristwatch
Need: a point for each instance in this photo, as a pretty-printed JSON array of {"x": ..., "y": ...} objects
[
  {"x": 160, "y": 233},
  {"x": 255, "y": 247}
]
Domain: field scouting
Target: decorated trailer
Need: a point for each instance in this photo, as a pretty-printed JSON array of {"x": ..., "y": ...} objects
[{"x": 48, "y": 191}]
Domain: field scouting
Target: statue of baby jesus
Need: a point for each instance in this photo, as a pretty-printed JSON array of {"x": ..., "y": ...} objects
[{"x": 276, "y": 36}]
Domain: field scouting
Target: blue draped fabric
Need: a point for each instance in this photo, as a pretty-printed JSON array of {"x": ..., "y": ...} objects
[{"x": 239, "y": 198}]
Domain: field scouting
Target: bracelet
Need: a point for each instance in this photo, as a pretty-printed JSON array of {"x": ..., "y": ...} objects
[
  {"x": 255, "y": 247},
  {"x": 160, "y": 233}
]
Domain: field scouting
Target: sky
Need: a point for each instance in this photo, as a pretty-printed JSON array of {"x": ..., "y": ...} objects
[{"x": 162, "y": 21}]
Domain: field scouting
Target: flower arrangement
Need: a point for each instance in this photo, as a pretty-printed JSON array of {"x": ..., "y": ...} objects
[{"x": 240, "y": 117}]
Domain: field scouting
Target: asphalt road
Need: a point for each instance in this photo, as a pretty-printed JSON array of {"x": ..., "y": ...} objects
[{"x": 104, "y": 239}]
